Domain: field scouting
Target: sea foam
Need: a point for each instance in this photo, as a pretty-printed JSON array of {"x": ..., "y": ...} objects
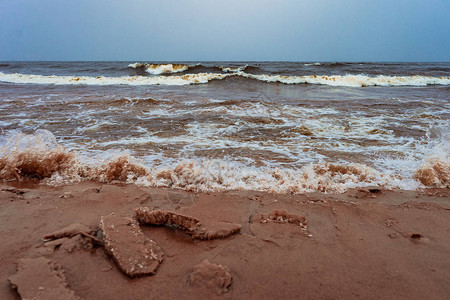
[
  {"x": 122, "y": 80},
  {"x": 157, "y": 69},
  {"x": 39, "y": 156},
  {"x": 331, "y": 80}
]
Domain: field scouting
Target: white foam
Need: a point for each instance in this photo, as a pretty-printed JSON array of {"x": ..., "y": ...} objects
[
  {"x": 233, "y": 69},
  {"x": 335, "y": 80},
  {"x": 95, "y": 126},
  {"x": 165, "y": 69},
  {"x": 219, "y": 175},
  {"x": 437, "y": 159},
  {"x": 157, "y": 69},
  {"x": 353, "y": 80},
  {"x": 211, "y": 174},
  {"x": 15, "y": 141},
  {"x": 123, "y": 80},
  {"x": 312, "y": 64},
  {"x": 136, "y": 65}
]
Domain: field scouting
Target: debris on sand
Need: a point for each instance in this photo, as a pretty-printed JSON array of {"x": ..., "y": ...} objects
[
  {"x": 214, "y": 229},
  {"x": 366, "y": 192},
  {"x": 164, "y": 217},
  {"x": 212, "y": 277},
  {"x": 280, "y": 216},
  {"x": 40, "y": 278},
  {"x": 69, "y": 244},
  {"x": 134, "y": 253},
  {"x": 68, "y": 231},
  {"x": 204, "y": 230},
  {"x": 71, "y": 237}
]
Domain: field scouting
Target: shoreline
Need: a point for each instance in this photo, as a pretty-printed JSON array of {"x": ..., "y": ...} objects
[{"x": 359, "y": 244}]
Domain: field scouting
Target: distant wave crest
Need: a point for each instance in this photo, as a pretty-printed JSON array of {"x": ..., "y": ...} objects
[
  {"x": 157, "y": 69},
  {"x": 233, "y": 69},
  {"x": 312, "y": 64}
]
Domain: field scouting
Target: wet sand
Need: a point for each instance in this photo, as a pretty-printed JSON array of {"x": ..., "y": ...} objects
[{"x": 364, "y": 244}]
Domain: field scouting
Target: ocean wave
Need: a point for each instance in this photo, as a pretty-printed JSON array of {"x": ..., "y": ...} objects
[
  {"x": 434, "y": 171},
  {"x": 39, "y": 156},
  {"x": 122, "y": 80},
  {"x": 220, "y": 175},
  {"x": 332, "y": 80},
  {"x": 233, "y": 69},
  {"x": 353, "y": 80},
  {"x": 158, "y": 69},
  {"x": 137, "y": 65},
  {"x": 339, "y": 64},
  {"x": 312, "y": 64}
]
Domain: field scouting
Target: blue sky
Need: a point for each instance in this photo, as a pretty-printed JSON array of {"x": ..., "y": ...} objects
[{"x": 176, "y": 30}]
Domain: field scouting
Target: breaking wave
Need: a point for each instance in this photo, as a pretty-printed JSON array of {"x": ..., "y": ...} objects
[
  {"x": 335, "y": 80},
  {"x": 434, "y": 171},
  {"x": 312, "y": 64},
  {"x": 353, "y": 80},
  {"x": 157, "y": 69},
  {"x": 33, "y": 156},
  {"x": 233, "y": 69},
  {"x": 40, "y": 156},
  {"x": 122, "y": 80}
]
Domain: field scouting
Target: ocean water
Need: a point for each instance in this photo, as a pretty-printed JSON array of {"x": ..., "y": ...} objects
[{"x": 281, "y": 127}]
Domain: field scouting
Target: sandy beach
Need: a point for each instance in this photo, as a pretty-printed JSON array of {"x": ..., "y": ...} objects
[
  {"x": 224, "y": 150},
  {"x": 365, "y": 243},
  {"x": 229, "y": 180}
]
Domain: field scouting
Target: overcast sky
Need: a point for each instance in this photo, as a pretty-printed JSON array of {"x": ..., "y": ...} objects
[{"x": 177, "y": 30}]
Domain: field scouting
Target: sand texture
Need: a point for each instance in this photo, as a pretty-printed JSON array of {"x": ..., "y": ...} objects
[
  {"x": 40, "y": 278},
  {"x": 363, "y": 244}
]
